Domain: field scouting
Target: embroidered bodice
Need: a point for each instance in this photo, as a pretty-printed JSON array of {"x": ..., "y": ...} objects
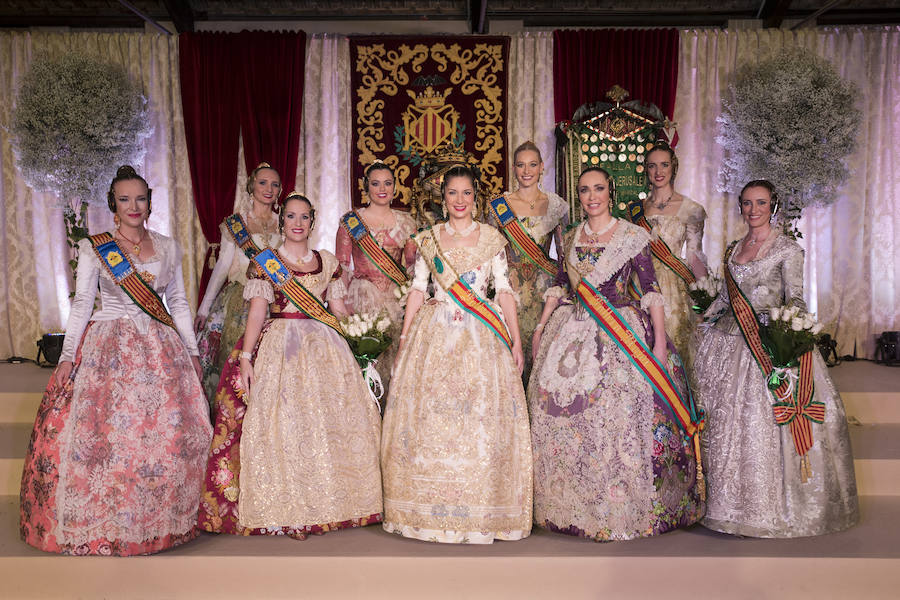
[
  {"x": 395, "y": 241},
  {"x": 168, "y": 282},
  {"x": 232, "y": 263},
  {"x": 682, "y": 230},
  {"x": 316, "y": 281},
  {"x": 541, "y": 227},
  {"x": 608, "y": 266},
  {"x": 772, "y": 279},
  {"x": 478, "y": 266}
]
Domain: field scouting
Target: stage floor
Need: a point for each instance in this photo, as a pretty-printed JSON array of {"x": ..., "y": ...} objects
[{"x": 861, "y": 562}]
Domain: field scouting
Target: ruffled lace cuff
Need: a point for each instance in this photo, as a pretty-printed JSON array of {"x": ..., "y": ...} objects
[
  {"x": 259, "y": 287},
  {"x": 508, "y": 290},
  {"x": 652, "y": 299},
  {"x": 557, "y": 291}
]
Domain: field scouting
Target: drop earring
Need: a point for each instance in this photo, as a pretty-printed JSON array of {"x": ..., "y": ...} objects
[
  {"x": 117, "y": 220},
  {"x": 444, "y": 209}
]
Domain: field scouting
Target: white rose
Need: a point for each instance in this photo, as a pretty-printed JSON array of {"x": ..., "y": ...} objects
[
  {"x": 808, "y": 321},
  {"x": 775, "y": 313},
  {"x": 382, "y": 325},
  {"x": 693, "y": 287},
  {"x": 816, "y": 329},
  {"x": 797, "y": 324},
  {"x": 398, "y": 293},
  {"x": 794, "y": 311}
]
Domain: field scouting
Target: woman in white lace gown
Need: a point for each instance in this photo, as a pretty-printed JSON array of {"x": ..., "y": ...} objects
[
  {"x": 222, "y": 313},
  {"x": 456, "y": 452},
  {"x": 753, "y": 470},
  {"x": 116, "y": 458},
  {"x": 678, "y": 221}
]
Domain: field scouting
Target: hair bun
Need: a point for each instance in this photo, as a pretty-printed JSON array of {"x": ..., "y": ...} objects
[
  {"x": 125, "y": 171},
  {"x": 263, "y": 165}
]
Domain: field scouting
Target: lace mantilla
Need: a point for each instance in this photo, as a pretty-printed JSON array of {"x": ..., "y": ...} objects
[{"x": 626, "y": 242}]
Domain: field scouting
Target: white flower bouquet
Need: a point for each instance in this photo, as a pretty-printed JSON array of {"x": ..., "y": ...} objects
[
  {"x": 787, "y": 334},
  {"x": 401, "y": 293},
  {"x": 367, "y": 336},
  {"x": 703, "y": 292}
]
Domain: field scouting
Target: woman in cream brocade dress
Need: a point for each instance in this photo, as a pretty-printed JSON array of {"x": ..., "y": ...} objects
[
  {"x": 751, "y": 465},
  {"x": 684, "y": 229},
  {"x": 302, "y": 455},
  {"x": 456, "y": 450}
]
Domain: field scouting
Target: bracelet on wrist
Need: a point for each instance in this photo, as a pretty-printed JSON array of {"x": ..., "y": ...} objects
[{"x": 247, "y": 355}]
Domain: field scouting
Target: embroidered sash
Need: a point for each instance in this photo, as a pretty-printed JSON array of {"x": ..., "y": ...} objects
[
  {"x": 460, "y": 291},
  {"x": 520, "y": 238},
  {"x": 238, "y": 230},
  {"x": 365, "y": 241},
  {"x": 660, "y": 249},
  {"x": 305, "y": 301},
  {"x": 123, "y": 273},
  {"x": 794, "y": 407}
]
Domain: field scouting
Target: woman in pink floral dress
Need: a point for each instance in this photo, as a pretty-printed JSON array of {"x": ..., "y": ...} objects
[{"x": 116, "y": 459}]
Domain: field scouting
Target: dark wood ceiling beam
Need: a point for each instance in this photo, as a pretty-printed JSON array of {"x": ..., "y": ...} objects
[
  {"x": 630, "y": 19},
  {"x": 772, "y": 12},
  {"x": 75, "y": 21},
  {"x": 181, "y": 14},
  {"x": 478, "y": 16}
]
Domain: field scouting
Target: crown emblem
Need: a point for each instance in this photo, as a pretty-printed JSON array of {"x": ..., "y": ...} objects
[{"x": 429, "y": 98}]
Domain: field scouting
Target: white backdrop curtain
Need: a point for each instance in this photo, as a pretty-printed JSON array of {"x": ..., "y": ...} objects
[
  {"x": 530, "y": 104},
  {"x": 34, "y": 291},
  {"x": 852, "y": 273}
]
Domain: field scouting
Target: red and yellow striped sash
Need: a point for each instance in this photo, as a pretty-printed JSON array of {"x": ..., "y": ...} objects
[
  {"x": 362, "y": 237},
  {"x": 519, "y": 237},
  {"x": 612, "y": 322},
  {"x": 123, "y": 273},
  {"x": 466, "y": 298},
  {"x": 282, "y": 279},
  {"x": 792, "y": 407},
  {"x": 664, "y": 254}
]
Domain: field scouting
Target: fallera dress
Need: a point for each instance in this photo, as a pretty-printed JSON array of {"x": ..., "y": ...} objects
[
  {"x": 301, "y": 456},
  {"x": 116, "y": 459},
  {"x": 224, "y": 307},
  {"x": 683, "y": 233},
  {"x": 365, "y": 289},
  {"x": 529, "y": 281},
  {"x": 456, "y": 452},
  {"x": 751, "y": 465},
  {"x": 610, "y": 462}
]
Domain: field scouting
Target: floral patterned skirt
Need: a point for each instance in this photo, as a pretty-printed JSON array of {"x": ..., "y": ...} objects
[
  {"x": 224, "y": 325},
  {"x": 680, "y": 319},
  {"x": 456, "y": 453},
  {"x": 302, "y": 455},
  {"x": 115, "y": 463},
  {"x": 610, "y": 462}
]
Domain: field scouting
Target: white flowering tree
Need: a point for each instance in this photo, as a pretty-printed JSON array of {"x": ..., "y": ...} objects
[
  {"x": 790, "y": 119},
  {"x": 76, "y": 120}
]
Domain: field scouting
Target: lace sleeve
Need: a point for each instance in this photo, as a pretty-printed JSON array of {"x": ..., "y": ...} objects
[
  {"x": 500, "y": 273},
  {"x": 792, "y": 275},
  {"x": 176, "y": 299},
  {"x": 83, "y": 305},
  {"x": 259, "y": 287},
  {"x": 420, "y": 275}
]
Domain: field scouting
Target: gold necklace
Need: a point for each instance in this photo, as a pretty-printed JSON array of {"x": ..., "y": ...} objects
[{"x": 135, "y": 245}]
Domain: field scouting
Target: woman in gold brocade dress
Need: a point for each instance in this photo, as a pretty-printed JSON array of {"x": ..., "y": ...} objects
[
  {"x": 363, "y": 286},
  {"x": 222, "y": 314},
  {"x": 543, "y": 215},
  {"x": 297, "y": 435},
  {"x": 679, "y": 221},
  {"x": 456, "y": 451}
]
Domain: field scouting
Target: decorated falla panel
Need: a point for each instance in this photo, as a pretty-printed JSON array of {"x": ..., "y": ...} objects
[
  {"x": 413, "y": 97},
  {"x": 616, "y": 137}
]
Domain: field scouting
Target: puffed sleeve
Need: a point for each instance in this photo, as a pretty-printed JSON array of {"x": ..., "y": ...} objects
[
  {"x": 420, "y": 275},
  {"x": 643, "y": 268},
  {"x": 500, "y": 273},
  {"x": 83, "y": 304},
  {"x": 219, "y": 274},
  {"x": 176, "y": 299},
  {"x": 792, "y": 275},
  {"x": 258, "y": 285},
  {"x": 343, "y": 250},
  {"x": 694, "y": 234}
]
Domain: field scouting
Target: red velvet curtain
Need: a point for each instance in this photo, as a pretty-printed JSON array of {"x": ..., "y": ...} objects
[
  {"x": 586, "y": 63},
  {"x": 250, "y": 82},
  {"x": 211, "y": 127},
  {"x": 271, "y": 96}
]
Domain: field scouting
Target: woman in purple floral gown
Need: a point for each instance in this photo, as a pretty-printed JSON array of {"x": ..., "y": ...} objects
[{"x": 610, "y": 462}]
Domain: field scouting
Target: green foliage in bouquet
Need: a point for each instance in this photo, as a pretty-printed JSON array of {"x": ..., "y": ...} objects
[
  {"x": 786, "y": 334},
  {"x": 703, "y": 292},
  {"x": 367, "y": 336}
]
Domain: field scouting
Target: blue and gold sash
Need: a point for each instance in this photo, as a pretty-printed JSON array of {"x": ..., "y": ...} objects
[
  {"x": 519, "y": 237},
  {"x": 272, "y": 265},
  {"x": 123, "y": 273},
  {"x": 365, "y": 241},
  {"x": 241, "y": 236}
]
